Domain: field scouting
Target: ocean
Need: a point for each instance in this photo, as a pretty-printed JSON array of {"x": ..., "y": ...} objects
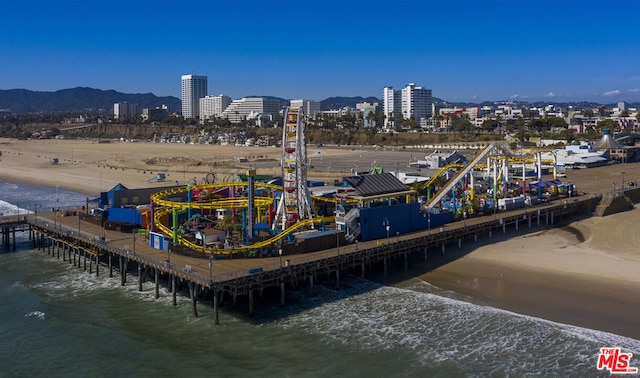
[{"x": 59, "y": 320}]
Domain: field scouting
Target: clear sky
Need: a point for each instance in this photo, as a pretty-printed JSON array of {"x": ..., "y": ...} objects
[{"x": 462, "y": 50}]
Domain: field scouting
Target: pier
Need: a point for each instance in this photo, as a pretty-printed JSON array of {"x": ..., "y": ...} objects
[
  {"x": 92, "y": 248},
  {"x": 9, "y": 226}
]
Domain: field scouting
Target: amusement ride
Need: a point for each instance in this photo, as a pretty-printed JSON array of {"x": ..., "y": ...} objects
[
  {"x": 293, "y": 210},
  {"x": 288, "y": 207}
]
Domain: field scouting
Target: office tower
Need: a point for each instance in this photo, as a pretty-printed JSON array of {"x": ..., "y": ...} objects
[
  {"x": 412, "y": 102},
  {"x": 416, "y": 102},
  {"x": 194, "y": 87},
  {"x": 392, "y": 103},
  {"x": 124, "y": 109}
]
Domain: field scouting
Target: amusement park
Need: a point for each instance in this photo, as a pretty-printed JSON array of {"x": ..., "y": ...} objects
[{"x": 253, "y": 215}]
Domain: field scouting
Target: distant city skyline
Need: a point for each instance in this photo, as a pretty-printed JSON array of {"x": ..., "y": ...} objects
[{"x": 464, "y": 51}]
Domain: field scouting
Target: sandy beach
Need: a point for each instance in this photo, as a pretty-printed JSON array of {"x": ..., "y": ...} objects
[{"x": 585, "y": 273}]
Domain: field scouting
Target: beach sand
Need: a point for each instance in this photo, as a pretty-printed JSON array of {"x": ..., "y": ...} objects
[
  {"x": 90, "y": 167},
  {"x": 586, "y": 273}
]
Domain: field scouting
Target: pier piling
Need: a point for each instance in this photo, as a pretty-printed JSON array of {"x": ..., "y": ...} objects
[
  {"x": 250, "y": 301},
  {"x": 216, "y": 295},
  {"x": 174, "y": 289},
  {"x": 157, "y": 282},
  {"x": 281, "y": 292},
  {"x": 140, "y": 277},
  {"x": 192, "y": 294}
]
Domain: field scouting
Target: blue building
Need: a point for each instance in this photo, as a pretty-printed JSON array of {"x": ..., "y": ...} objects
[{"x": 381, "y": 206}]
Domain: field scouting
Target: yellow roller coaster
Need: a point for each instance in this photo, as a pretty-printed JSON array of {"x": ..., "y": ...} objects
[
  {"x": 166, "y": 206},
  {"x": 440, "y": 172}
]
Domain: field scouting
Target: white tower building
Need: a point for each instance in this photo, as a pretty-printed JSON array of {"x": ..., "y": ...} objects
[
  {"x": 392, "y": 103},
  {"x": 194, "y": 87},
  {"x": 412, "y": 102},
  {"x": 416, "y": 102}
]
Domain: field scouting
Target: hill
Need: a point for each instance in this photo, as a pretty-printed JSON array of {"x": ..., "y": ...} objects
[
  {"x": 341, "y": 102},
  {"x": 80, "y": 99},
  {"x": 85, "y": 100}
]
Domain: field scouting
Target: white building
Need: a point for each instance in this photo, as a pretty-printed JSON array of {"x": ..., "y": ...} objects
[
  {"x": 412, "y": 102},
  {"x": 392, "y": 104},
  {"x": 309, "y": 107},
  {"x": 622, "y": 106},
  {"x": 250, "y": 107},
  {"x": 213, "y": 106},
  {"x": 416, "y": 102},
  {"x": 335, "y": 113},
  {"x": 194, "y": 87},
  {"x": 124, "y": 109}
]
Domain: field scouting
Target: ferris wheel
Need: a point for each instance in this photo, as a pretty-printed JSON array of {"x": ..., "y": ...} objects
[{"x": 295, "y": 204}]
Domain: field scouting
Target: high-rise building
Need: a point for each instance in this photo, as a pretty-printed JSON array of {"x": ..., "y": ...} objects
[
  {"x": 124, "y": 109},
  {"x": 416, "y": 102},
  {"x": 213, "y": 106},
  {"x": 194, "y": 87},
  {"x": 412, "y": 102},
  {"x": 392, "y": 103}
]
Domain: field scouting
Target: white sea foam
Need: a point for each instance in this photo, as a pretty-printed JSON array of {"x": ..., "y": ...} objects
[
  {"x": 35, "y": 314},
  {"x": 7, "y": 208},
  {"x": 9, "y": 186},
  {"x": 73, "y": 281},
  {"x": 480, "y": 339}
]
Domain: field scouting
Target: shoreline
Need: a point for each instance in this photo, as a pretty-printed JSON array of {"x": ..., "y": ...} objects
[
  {"x": 571, "y": 283},
  {"x": 584, "y": 275}
]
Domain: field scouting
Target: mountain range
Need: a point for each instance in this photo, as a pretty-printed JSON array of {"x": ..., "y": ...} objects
[
  {"x": 82, "y": 99},
  {"x": 85, "y": 100},
  {"x": 78, "y": 100}
]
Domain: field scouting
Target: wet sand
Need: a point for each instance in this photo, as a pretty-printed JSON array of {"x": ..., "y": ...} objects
[
  {"x": 554, "y": 275},
  {"x": 587, "y": 274}
]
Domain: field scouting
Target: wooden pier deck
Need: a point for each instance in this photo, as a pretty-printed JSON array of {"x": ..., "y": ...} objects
[{"x": 83, "y": 243}]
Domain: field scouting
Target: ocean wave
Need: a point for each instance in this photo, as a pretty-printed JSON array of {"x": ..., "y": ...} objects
[
  {"x": 66, "y": 280},
  {"x": 36, "y": 314},
  {"x": 8, "y": 185},
  {"x": 7, "y": 208},
  {"x": 482, "y": 340}
]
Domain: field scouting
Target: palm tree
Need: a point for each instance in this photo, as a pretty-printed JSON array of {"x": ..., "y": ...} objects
[{"x": 371, "y": 116}]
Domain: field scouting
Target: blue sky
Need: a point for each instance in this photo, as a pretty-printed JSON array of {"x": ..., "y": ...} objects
[{"x": 463, "y": 50}]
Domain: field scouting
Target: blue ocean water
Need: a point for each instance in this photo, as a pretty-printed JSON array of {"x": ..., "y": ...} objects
[{"x": 58, "y": 320}]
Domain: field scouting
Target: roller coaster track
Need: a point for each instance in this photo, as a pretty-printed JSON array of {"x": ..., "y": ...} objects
[
  {"x": 440, "y": 172},
  {"x": 239, "y": 202},
  {"x": 476, "y": 163},
  {"x": 167, "y": 206},
  {"x": 271, "y": 241},
  {"x": 466, "y": 170}
]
